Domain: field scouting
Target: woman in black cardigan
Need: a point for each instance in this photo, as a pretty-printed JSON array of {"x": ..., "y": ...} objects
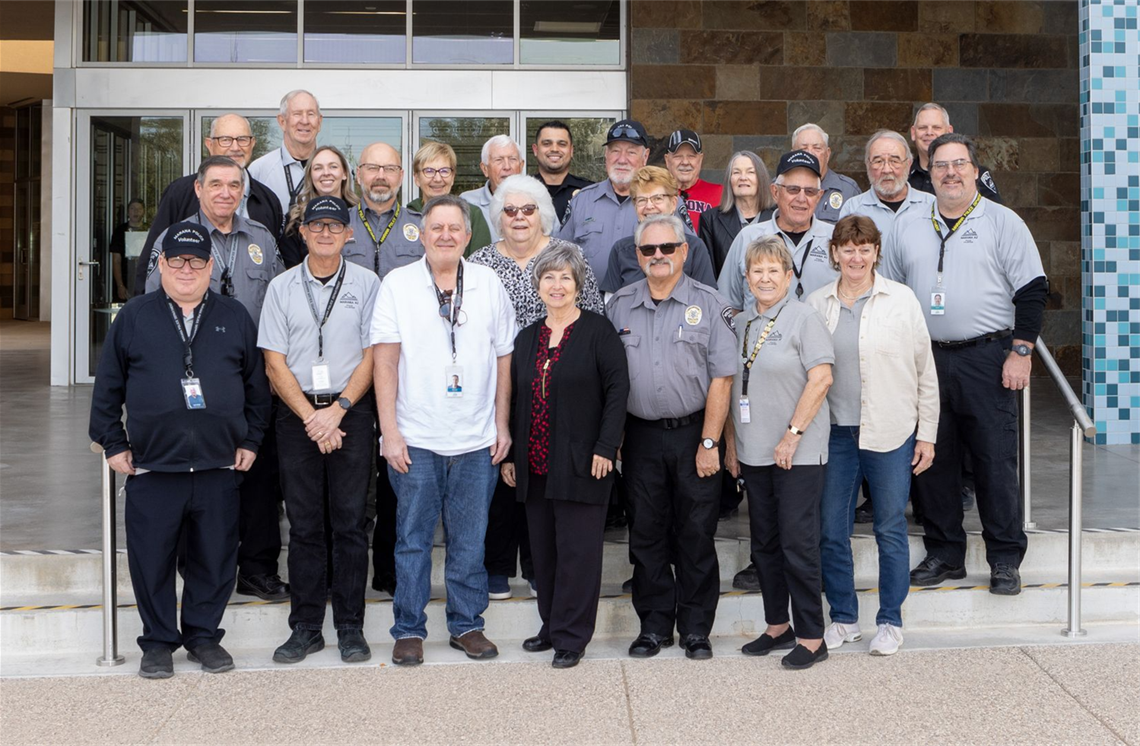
[
  {"x": 746, "y": 199},
  {"x": 569, "y": 389}
]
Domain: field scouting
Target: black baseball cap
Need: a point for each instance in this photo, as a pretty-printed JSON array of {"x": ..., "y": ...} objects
[
  {"x": 187, "y": 239},
  {"x": 798, "y": 159},
  {"x": 629, "y": 130},
  {"x": 683, "y": 137},
  {"x": 326, "y": 207}
]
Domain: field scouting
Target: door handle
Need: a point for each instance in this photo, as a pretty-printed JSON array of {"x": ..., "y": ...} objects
[{"x": 83, "y": 264}]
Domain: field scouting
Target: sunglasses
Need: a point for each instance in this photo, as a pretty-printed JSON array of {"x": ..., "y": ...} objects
[
  {"x": 794, "y": 190},
  {"x": 650, "y": 249},
  {"x": 527, "y": 210},
  {"x": 625, "y": 130}
]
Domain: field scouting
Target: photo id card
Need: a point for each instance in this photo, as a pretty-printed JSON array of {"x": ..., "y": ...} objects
[
  {"x": 453, "y": 380},
  {"x": 938, "y": 301},
  {"x": 321, "y": 379},
  {"x": 745, "y": 411},
  {"x": 192, "y": 393}
]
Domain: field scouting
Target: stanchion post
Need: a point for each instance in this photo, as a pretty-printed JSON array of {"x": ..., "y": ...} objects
[
  {"x": 110, "y": 655},
  {"x": 1075, "y": 524},
  {"x": 1024, "y": 467}
]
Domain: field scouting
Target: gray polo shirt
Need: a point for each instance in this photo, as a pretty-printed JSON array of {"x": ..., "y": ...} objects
[
  {"x": 255, "y": 258},
  {"x": 989, "y": 258},
  {"x": 798, "y": 342},
  {"x": 846, "y": 392},
  {"x": 400, "y": 248},
  {"x": 837, "y": 189},
  {"x": 481, "y": 198},
  {"x": 811, "y": 258},
  {"x": 288, "y": 327},
  {"x": 869, "y": 205},
  {"x": 625, "y": 270},
  {"x": 674, "y": 348}
]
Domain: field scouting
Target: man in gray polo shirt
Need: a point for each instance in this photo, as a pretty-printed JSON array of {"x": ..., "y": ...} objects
[
  {"x": 385, "y": 234},
  {"x": 888, "y": 163},
  {"x": 978, "y": 275},
  {"x": 315, "y": 335},
  {"x": 837, "y": 188}
]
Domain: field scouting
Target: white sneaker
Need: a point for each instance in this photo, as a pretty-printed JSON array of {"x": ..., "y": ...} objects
[
  {"x": 887, "y": 640},
  {"x": 837, "y": 633}
]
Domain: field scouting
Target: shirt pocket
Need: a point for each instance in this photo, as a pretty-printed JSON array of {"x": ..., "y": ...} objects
[
  {"x": 889, "y": 338},
  {"x": 631, "y": 342},
  {"x": 691, "y": 351},
  {"x": 257, "y": 278}
]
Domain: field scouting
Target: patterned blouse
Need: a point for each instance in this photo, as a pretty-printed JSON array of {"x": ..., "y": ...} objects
[
  {"x": 544, "y": 362},
  {"x": 529, "y": 308}
]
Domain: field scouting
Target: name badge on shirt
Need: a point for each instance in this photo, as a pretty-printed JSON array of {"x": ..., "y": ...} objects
[
  {"x": 938, "y": 301},
  {"x": 453, "y": 381},
  {"x": 322, "y": 381},
  {"x": 745, "y": 411},
  {"x": 192, "y": 393}
]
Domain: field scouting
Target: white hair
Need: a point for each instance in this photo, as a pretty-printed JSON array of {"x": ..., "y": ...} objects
[
  {"x": 534, "y": 191},
  {"x": 887, "y": 135},
  {"x": 214, "y": 124},
  {"x": 288, "y": 97},
  {"x": 808, "y": 127},
  {"x": 498, "y": 141},
  {"x": 671, "y": 221},
  {"x": 780, "y": 179},
  {"x": 932, "y": 107}
]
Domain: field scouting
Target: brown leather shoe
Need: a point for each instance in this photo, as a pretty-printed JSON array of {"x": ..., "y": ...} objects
[
  {"x": 475, "y": 644},
  {"x": 409, "y": 651}
]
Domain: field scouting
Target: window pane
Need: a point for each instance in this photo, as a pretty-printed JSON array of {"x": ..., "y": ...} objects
[
  {"x": 245, "y": 31},
  {"x": 129, "y": 31},
  {"x": 466, "y": 135},
  {"x": 555, "y": 32},
  {"x": 463, "y": 32},
  {"x": 349, "y": 31},
  {"x": 589, "y": 136}
]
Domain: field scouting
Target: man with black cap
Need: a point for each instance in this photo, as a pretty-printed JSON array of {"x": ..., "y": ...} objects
[
  {"x": 314, "y": 331},
  {"x": 184, "y": 361},
  {"x": 684, "y": 158}
]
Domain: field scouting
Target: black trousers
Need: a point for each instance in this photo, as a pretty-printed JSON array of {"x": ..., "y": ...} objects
[
  {"x": 384, "y": 531},
  {"x": 259, "y": 529},
  {"x": 667, "y": 497},
  {"x": 566, "y": 543},
  {"x": 783, "y": 514},
  {"x": 305, "y": 473},
  {"x": 203, "y": 507},
  {"x": 507, "y": 544},
  {"x": 978, "y": 414}
]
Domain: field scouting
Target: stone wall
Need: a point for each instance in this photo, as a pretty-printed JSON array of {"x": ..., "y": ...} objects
[{"x": 745, "y": 73}]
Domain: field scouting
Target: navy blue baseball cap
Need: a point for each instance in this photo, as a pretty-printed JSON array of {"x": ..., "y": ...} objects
[
  {"x": 186, "y": 239},
  {"x": 798, "y": 159},
  {"x": 326, "y": 207},
  {"x": 629, "y": 130}
]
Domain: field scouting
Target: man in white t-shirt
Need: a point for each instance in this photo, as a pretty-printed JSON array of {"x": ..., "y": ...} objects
[{"x": 435, "y": 321}]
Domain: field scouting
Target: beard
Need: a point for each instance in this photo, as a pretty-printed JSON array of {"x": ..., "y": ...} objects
[{"x": 889, "y": 187}]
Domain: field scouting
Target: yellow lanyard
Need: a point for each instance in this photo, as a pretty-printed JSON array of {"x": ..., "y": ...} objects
[{"x": 383, "y": 238}]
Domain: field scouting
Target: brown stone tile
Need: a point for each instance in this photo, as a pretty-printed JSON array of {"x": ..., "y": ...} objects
[
  {"x": 1062, "y": 17},
  {"x": 866, "y": 118},
  {"x": 928, "y": 50},
  {"x": 763, "y": 15},
  {"x": 998, "y": 153},
  {"x": 1017, "y": 188},
  {"x": 1041, "y": 154},
  {"x": 1010, "y": 16},
  {"x": 828, "y": 15},
  {"x": 884, "y": 15},
  {"x": 862, "y": 49},
  {"x": 1028, "y": 120},
  {"x": 804, "y": 49},
  {"x": 1070, "y": 291},
  {"x": 665, "y": 116},
  {"x": 732, "y": 47},
  {"x": 1053, "y": 223},
  {"x": 811, "y": 83},
  {"x": 945, "y": 16},
  {"x": 897, "y": 85},
  {"x": 655, "y": 46},
  {"x": 745, "y": 117},
  {"x": 717, "y": 149},
  {"x": 1057, "y": 190},
  {"x": 827, "y": 114},
  {"x": 666, "y": 13},
  {"x": 1065, "y": 258},
  {"x": 673, "y": 81},
  {"x": 737, "y": 82},
  {"x": 1068, "y": 357},
  {"x": 1012, "y": 50},
  {"x": 1070, "y": 154},
  {"x": 847, "y": 156}
]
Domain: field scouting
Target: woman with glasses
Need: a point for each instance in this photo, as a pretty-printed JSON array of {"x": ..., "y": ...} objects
[
  {"x": 327, "y": 175},
  {"x": 745, "y": 200},
  {"x": 433, "y": 170}
]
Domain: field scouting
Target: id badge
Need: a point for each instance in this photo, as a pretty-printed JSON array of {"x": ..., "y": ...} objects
[
  {"x": 321, "y": 379},
  {"x": 453, "y": 381},
  {"x": 745, "y": 411},
  {"x": 938, "y": 301},
  {"x": 192, "y": 393}
]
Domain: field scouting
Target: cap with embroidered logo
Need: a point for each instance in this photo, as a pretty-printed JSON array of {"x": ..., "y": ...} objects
[
  {"x": 186, "y": 239},
  {"x": 628, "y": 130},
  {"x": 330, "y": 207},
  {"x": 683, "y": 137},
  {"x": 798, "y": 159}
]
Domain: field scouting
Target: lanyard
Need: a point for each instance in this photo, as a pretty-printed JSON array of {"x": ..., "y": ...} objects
[
  {"x": 227, "y": 281},
  {"x": 750, "y": 359},
  {"x": 799, "y": 271},
  {"x": 328, "y": 309},
  {"x": 953, "y": 230},
  {"x": 187, "y": 337},
  {"x": 456, "y": 301},
  {"x": 383, "y": 237},
  {"x": 293, "y": 190}
]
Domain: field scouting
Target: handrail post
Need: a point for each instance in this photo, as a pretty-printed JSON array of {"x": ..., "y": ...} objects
[
  {"x": 110, "y": 655},
  {"x": 1075, "y": 523},
  {"x": 1023, "y": 466}
]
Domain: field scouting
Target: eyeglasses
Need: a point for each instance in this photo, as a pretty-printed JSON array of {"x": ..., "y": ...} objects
[
  {"x": 657, "y": 200},
  {"x": 505, "y": 160},
  {"x": 443, "y": 173},
  {"x": 225, "y": 140},
  {"x": 527, "y": 210},
  {"x": 894, "y": 161},
  {"x": 650, "y": 249},
  {"x": 957, "y": 165},
  {"x": 371, "y": 169},
  {"x": 334, "y": 227},
  {"x": 794, "y": 190},
  {"x": 178, "y": 262}
]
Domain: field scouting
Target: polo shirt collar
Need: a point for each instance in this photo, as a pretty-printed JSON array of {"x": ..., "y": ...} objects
[
  {"x": 287, "y": 158},
  {"x": 978, "y": 211},
  {"x": 470, "y": 280},
  {"x": 309, "y": 276},
  {"x": 771, "y": 312},
  {"x": 811, "y": 231},
  {"x": 240, "y": 225}
]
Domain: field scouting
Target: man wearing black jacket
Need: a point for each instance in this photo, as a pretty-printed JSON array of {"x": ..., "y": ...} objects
[
  {"x": 185, "y": 363},
  {"x": 230, "y": 135}
]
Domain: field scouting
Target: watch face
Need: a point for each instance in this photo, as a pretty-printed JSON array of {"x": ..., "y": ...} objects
[
  {"x": 709, "y": 443},
  {"x": 344, "y": 402}
]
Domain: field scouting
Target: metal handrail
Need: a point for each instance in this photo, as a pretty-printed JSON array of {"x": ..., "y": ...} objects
[{"x": 110, "y": 655}]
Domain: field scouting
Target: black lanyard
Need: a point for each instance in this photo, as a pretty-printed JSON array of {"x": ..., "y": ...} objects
[
  {"x": 383, "y": 237},
  {"x": 456, "y": 301},
  {"x": 953, "y": 230},
  {"x": 293, "y": 190},
  {"x": 227, "y": 280},
  {"x": 328, "y": 309},
  {"x": 799, "y": 271},
  {"x": 187, "y": 337},
  {"x": 750, "y": 359}
]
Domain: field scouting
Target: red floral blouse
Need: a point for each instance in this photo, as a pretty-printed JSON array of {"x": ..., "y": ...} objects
[{"x": 544, "y": 362}]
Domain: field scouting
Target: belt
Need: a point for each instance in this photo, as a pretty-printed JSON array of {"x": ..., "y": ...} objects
[
  {"x": 985, "y": 338},
  {"x": 322, "y": 400},
  {"x": 672, "y": 423}
]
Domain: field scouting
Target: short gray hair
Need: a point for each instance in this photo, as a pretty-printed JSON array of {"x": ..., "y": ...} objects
[
  {"x": 931, "y": 107},
  {"x": 768, "y": 247},
  {"x": 447, "y": 200},
  {"x": 217, "y": 161},
  {"x": 534, "y": 191},
  {"x": 810, "y": 126},
  {"x": 672, "y": 221},
  {"x": 288, "y": 97},
  {"x": 498, "y": 141},
  {"x": 560, "y": 254},
  {"x": 887, "y": 135}
]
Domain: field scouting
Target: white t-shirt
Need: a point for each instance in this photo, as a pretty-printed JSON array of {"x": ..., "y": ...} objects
[{"x": 407, "y": 312}]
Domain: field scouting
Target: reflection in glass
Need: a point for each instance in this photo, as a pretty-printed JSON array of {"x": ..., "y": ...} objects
[
  {"x": 589, "y": 136},
  {"x": 134, "y": 31},
  {"x": 463, "y": 32},
  {"x": 245, "y": 31},
  {"x": 584, "y": 32},
  {"x": 466, "y": 135},
  {"x": 348, "y": 31}
]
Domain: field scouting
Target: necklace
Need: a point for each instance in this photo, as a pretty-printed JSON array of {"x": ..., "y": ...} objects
[{"x": 858, "y": 293}]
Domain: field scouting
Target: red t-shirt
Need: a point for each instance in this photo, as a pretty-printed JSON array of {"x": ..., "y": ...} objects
[{"x": 700, "y": 197}]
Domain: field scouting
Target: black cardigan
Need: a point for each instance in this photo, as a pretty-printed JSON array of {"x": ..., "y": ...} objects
[
  {"x": 719, "y": 230},
  {"x": 592, "y": 379}
]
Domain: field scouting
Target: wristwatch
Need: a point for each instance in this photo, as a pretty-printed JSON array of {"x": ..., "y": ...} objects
[
  {"x": 795, "y": 430},
  {"x": 709, "y": 444},
  {"x": 344, "y": 403},
  {"x": 1022, "y": 350}
]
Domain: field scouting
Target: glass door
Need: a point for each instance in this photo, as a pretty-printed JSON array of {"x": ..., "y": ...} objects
[{"x": 465, "y": 132}]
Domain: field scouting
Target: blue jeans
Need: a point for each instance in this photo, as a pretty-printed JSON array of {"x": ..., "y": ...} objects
[
  {"x": 459, "y": 487},
  {"x": 889, "y": 477}
]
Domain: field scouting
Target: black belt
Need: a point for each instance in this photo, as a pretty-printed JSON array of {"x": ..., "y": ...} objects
[
  {"x": 984, "y": 339},
  {"x": 672, "y": 423},
  {"x": 322, "y": 400}
]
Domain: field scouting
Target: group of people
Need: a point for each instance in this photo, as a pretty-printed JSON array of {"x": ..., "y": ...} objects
[{"x": 504, "y": 359}]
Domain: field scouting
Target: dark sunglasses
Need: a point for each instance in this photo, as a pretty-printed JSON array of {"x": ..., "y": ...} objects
[
  {"x": 527, "y": 210},
  {"x": 625, "y": 130},
  {"x": 651, "y": 248}
]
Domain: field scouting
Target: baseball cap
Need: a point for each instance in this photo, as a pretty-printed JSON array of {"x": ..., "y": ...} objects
[
  {"x": 683, "y": 137},
  {"x": 798, "y": 159},
  {"x": 629, "y": 130},
  {"x": 326, "y": 207},
  {"x": 187, "y": 239}
]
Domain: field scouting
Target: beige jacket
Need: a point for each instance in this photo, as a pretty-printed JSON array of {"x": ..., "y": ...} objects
[{"x": 896, "y": 365}]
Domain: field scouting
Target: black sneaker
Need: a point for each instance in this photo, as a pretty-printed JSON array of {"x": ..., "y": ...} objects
[
  {"x": 747, "y": 579},
  {"x": 627, "y": 586},
  {"x": 1005, "y": 580},
  {"x": 212, "y": 656},
  {"x": 696, "y": 647},
  {"x": 300, "y": 644},
  {"x": 765, "y": 643},
  {"x": 157, "y": 663},
  {"x": 801, "y": 658},
  {"x": 265, "y": 587},
  {"x": 865, "y": 513},
  {"x": 932, "y": 571},
  {"x": 384, "y": 584},
  {"x": 353, "y": 647}
]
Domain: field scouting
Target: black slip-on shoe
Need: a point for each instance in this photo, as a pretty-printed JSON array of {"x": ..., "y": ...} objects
[
  {"x": 353, "y": 647},
  {"x": 157, "y": 663},
  {"x": 801, "y": 658},
  {"x": 747, "y": 579},
  {"x": 212, "y": 656},
  {"x": 765, "y": 643}
]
